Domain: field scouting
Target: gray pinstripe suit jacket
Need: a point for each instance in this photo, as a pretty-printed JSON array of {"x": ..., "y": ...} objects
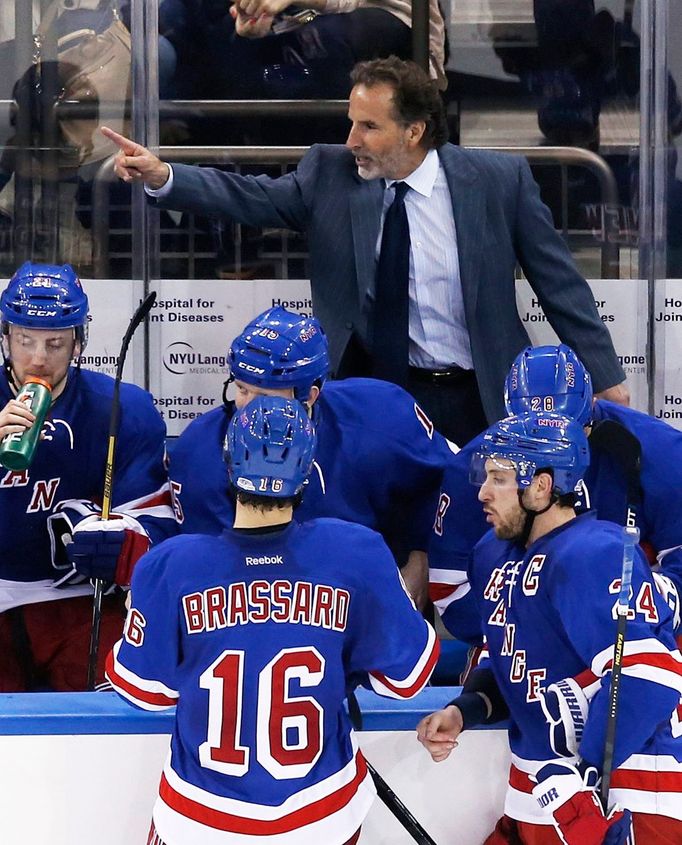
[{"x": 500, "y": 220}]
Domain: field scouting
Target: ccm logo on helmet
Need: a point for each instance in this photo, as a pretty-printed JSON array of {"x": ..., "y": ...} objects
[
  {"x": 250, "y": 368},
  {"x": 41, "y": 312}
]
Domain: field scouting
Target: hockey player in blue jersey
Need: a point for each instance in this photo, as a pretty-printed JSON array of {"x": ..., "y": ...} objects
[
  {"x": 553, "y": 378},
  {"x": 546, "y": 582},
  {"x": 257, "y": 635},
  {"x": 53, "y": 539},
  {"x": 379, "y": 461}
]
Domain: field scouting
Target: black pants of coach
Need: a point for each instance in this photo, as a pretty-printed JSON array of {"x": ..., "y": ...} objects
[{"x": 451, "y": 398}]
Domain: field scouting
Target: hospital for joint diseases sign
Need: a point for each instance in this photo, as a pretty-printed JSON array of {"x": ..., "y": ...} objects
[{"x": 193, "y": 322}]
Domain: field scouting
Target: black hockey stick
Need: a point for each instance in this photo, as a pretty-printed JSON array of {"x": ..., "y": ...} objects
[
  {"x": 399, "y": 810},
  {"x": 137, "y": 318},
  {"x": 384, "y": 791},
  {"x": 621, "y": 444}
]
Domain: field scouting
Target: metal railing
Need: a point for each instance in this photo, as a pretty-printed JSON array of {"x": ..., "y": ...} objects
[{"x": 562, "y": 156}]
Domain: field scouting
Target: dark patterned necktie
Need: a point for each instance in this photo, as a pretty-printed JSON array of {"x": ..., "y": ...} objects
[{"x": 391, "y": 308}]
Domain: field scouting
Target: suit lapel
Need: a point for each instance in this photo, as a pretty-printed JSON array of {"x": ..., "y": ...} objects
[
  {"x": 468, "y": 206},
  {"x": 366, "y": 200}
]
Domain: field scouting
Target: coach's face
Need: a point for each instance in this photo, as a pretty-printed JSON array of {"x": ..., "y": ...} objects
[{"x": 382, "y": 146}]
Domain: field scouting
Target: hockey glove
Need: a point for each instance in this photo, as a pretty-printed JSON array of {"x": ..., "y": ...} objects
[
  {"x": 60, "y": 527},
  {"x": 571, "y": 800},
  {"x": 565, "y": 707},
  {"x": 107, "y": 549}
]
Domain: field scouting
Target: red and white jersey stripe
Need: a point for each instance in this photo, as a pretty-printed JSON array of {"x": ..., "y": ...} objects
[
  {"x": 329, "y": 811},
  {"x": 149, "y": 695},
  {"x": 648, "y": 659},
  {"x": 447, "y": 586},
  {"x": 644, "y": 783},
  {"x": 416, "y": 681},
  {"x": 157, "y": 504}
]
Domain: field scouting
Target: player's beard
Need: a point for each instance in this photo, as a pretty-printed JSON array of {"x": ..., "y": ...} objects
[{"x": 512, "y": 526}]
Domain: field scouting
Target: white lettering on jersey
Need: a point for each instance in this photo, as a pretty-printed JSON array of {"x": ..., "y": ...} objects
[
  {"x": 50, "y": 427},
  {"x": 496, "y": 582},
  {"x": 517, "y": 670},
  {"x": 175, "y": 490},
  {"x": 301, "y": 603},
  {"x": 508, "y": 645},
  {"x": 134, "y": 628},
  {"x": 499, "y": 615},
  {"x": 531, "y": 581},
  {"x": 43, "y": 497},
  {"x": 441, "y": 510},
  {"x": 14, "y": 478},
  {"x": 535, "y": 688}
]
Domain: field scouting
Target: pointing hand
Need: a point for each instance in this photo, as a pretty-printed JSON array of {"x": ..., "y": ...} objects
[{"x": 134, "y": 162}]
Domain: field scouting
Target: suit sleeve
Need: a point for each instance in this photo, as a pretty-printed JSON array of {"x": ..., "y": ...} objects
[
  {"x": 652, "y": 665},
  {"x": 252, "y": 200},
  {"x": 563, "y": 293},
  {"x": 142, "y": 666},
  {"x": 390, "y": 641},
  {"x": 141, "y": 488}
]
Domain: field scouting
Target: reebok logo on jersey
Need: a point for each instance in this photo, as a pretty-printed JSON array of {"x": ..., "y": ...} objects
[{"x": 263, "y": 561}]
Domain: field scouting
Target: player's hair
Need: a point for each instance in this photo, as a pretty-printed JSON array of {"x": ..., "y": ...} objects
[
  {"x": 416, "y": 96},
  {"x": 265, "y": 504},
  {"x": 562, "y": 500}
]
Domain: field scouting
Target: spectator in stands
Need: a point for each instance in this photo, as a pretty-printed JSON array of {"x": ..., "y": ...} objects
[
  {"x": 439, "y": 284},
  {"x": 314, "y": 59}
]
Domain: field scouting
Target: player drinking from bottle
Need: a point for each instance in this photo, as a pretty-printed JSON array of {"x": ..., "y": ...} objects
[
  {"x": 53, "y": 539},
  {"x": 257, "y": 635},
  {"x": 546, "y": 582}
]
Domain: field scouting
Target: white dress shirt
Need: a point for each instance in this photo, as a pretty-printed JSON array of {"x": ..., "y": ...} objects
[{"x": 438, "y": 331}]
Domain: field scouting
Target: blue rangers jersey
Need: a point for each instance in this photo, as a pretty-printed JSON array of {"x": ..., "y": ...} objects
[
  {"x": 659, "y": 515},
  {"x": 258, "y": 637},
  {"x": 548, "y": 614},
  {"x": 459, "y": 525},
  {"x": 69, "y": 465},
  {"x": 460, "y": 521},
  {"x": 378, "y": 463}
]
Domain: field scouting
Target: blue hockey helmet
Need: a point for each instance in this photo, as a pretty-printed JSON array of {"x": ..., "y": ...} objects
[
  {"x": 269, "y": 447},
  {"x": 281, "y": 349},
  {"x": 535, "y": 441},
  {"x": 46, "y": 296},
  {"x": 549, "y": 378}
]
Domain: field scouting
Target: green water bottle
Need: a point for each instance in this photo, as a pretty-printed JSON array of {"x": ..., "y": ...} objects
[{"x": 17, "y": 449}]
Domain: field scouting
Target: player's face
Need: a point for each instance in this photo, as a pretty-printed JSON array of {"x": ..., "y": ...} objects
[
  {"x": 46, "y": 353},
  {"x": 499, "y": 495},
  {"x": 382, "y": 146},
  {"x": 245, "y": 393}
]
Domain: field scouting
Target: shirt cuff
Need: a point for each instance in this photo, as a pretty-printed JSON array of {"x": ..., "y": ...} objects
[{"x": 164, "y": 189}]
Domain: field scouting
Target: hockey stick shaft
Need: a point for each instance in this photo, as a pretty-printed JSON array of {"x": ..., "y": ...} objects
[
  {"x": 630, "y": 541},
  {"x": 399, "y": 810},
  {"x": 139, "y": 315}
]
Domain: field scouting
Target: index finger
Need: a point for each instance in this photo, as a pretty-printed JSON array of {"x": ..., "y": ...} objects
[{"x": 129, "y": 147}]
